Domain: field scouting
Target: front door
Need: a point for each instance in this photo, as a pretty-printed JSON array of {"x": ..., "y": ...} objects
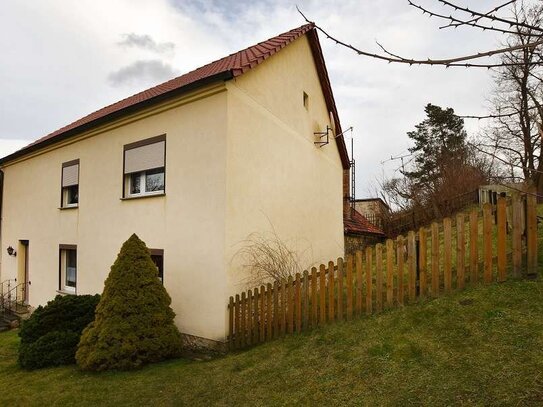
[{"x": 22, "y": 274}]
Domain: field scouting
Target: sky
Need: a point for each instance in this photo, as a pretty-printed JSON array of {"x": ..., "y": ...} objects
[{"x": 64, "y": 59}]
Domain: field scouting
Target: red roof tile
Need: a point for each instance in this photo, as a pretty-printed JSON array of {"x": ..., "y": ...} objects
[
  {"x": 223, "y": 69},
  {"x": 358, "y": 224}
]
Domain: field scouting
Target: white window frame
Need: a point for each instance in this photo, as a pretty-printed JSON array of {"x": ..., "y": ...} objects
[
  {"x": 66, "y": 195},
  {"x": 64, "y": 249},
  {"x": 143, "y": 184}
]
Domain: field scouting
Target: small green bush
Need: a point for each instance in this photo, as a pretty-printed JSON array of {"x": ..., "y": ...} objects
[
  {"x": 134, "y": 322},
  {"x": 51, "y": 334}
]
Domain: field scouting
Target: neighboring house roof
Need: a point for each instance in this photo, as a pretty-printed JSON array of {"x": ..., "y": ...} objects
[
  {"x": 357, "y": 224},
  {"x": 225, "y": 68}
]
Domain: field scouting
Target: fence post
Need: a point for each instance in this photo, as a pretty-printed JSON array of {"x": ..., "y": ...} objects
[
  {"x": 298, "y": 297},
  {"x": 487, "y": 242},
  {"x": 237, "y": 322},
  {"x": 331, "y": 291},
  {"x": 473, "y": 246},
  {"x": 256, "y": 316},
  {"x": 412, "y": 265},
  {"x": 400, "y": 255},
  {"x": 359, "y": 285},
  {"x": 262, "y": 316},
  {"x": 460, "y": 251},
  {"x": 249, "y": 328},
  {"x": 243, "y": 316},
  {"x": 435, "y": 259},
  {"x": 290, "y": 305},
  {"x": 349, "y": 287},
  {"x": 231, "y": 322},
  {"x": 283, "y": 306},
  {"x": 531, "y": 232},
  {"x": 369, "y": 272},
  {"x": 447, "y": 254},
  {"x": 379, "y": 277},
  {"x": 501, "y": 231},
  {"x": 314, "y": 305},
  {"x": 422, "y": 262},
  {"x": 269, "y": 305},
  {"x": 305, "y": 293},
  {"x": 516, "y": 243},
  {"x": 322, "y": 294},
  {"x": 275, "y": 309},
  {"x": 340, "y": 289},
  {"x": 390, "y": 272}
]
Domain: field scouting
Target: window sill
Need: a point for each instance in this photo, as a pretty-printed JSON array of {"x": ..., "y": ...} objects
[
  {"x": 130, "y": 198},
  {"x": 63, "y": 292},
  {"x": 62, "y": 208}
]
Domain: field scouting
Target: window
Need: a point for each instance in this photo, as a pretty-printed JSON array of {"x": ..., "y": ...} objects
[
  {"x": 68, "y": 268},
  {"x": 157, "y": 255},
  {"x": 144, "y": 167},
  {"x": 70, "y": 184},
  {"x": 306, "y": 100}
]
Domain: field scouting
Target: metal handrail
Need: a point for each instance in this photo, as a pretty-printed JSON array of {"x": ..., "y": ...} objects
[{"x": 12, "y": 298}]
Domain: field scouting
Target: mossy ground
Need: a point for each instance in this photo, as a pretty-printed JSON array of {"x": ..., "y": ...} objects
[{"x": 483, "y": 346}]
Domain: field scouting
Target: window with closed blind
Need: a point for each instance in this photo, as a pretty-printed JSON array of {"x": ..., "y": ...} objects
[
  {"x": 144, "y": 168},
  {"x": 70, "y": 184}
]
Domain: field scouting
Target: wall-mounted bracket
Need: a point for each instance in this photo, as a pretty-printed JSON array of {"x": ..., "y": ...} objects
[{"x": 321, "y": 135}]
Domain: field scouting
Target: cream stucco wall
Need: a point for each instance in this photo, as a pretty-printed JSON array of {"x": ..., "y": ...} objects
[
  {"x": 240, "y": 157},
  {"x": 277, "y": 177},
  {"x": 188, "y": 222}
]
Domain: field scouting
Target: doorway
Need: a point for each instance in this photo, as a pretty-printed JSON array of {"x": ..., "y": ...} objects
[{"x": 23, "y": 270}]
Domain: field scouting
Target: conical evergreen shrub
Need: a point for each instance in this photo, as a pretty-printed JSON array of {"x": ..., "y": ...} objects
[{"x": 134, "y": 324}]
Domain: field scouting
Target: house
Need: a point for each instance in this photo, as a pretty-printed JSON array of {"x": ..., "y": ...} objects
[
  {"x": 375, "y": 210},
  {"x": 193, "y": 166},
  {"x": 360, "y": 232}
]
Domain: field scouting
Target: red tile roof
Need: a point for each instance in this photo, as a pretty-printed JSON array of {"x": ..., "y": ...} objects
[
  {"x": 358, "y": 224},
  {"x": 223, "y": 69}
]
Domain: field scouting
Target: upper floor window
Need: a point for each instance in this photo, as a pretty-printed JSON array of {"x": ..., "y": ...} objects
[
  {"x": 144, "y": 167},
  {"x": 70, "y": 184}
]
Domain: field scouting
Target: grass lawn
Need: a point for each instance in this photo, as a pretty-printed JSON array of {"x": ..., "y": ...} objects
[{"x": 483, "y": 346}]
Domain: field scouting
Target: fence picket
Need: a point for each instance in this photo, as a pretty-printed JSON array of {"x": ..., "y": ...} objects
[
  {"x": 314, "y": 304},
  {"x": 331, "y": 292},
  {"x": 349, "y": 288},
  {"x": 359, "y": 285},
  {"x": 501, "y": 231},
  {"x": 262, "y": 315},
  {"x": 379, "y": 277},
  {"x": 460, "y": 251},
  {"x": 473, "y": 246},
  {"x": 269, "y": 307},
  {"x": 369, "y": 275},
  {"x": 231, "y": 322},
  {"x": 249, "y": 328},
  {"x": 243, "y": 318},
  {"x": 423, "y": 266},
  {"x": 256, "y": 316},
  {"x": 447, "y": 254},
  {"x": 340, "y": 278},
  {"x": 531, "y": 231},
  {"x": 298, "y": 297},
  {"x": 516, "y": 242},
  {"x": 411, "y": 265},
  {"x": 487, "y": 242},
  {"x": 305, "y": 295},
  {"x": 435, "y": 259},
  {"x": 237, "y": 322},
  {"x": 322, "y": 294},
  {"x": 400, "y": 247},
  {"x": 283, "y": 307},
  {"x": 390, "y": 272},
  {"x": 275, "y": 309},
  {"x": 290, "y": 305}
]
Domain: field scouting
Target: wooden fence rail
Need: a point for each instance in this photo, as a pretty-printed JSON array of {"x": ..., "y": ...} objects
[{"x": 427, "y": 263}]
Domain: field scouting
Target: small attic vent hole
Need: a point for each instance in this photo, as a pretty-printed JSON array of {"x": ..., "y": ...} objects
[{"x": 306, "y": 100}]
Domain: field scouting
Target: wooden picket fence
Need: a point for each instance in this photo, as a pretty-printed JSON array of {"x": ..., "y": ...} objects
[{"x": 498, "y": 243}]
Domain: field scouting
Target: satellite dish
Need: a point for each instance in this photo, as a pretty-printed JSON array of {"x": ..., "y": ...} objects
[{"x": 333, "y": 124}]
